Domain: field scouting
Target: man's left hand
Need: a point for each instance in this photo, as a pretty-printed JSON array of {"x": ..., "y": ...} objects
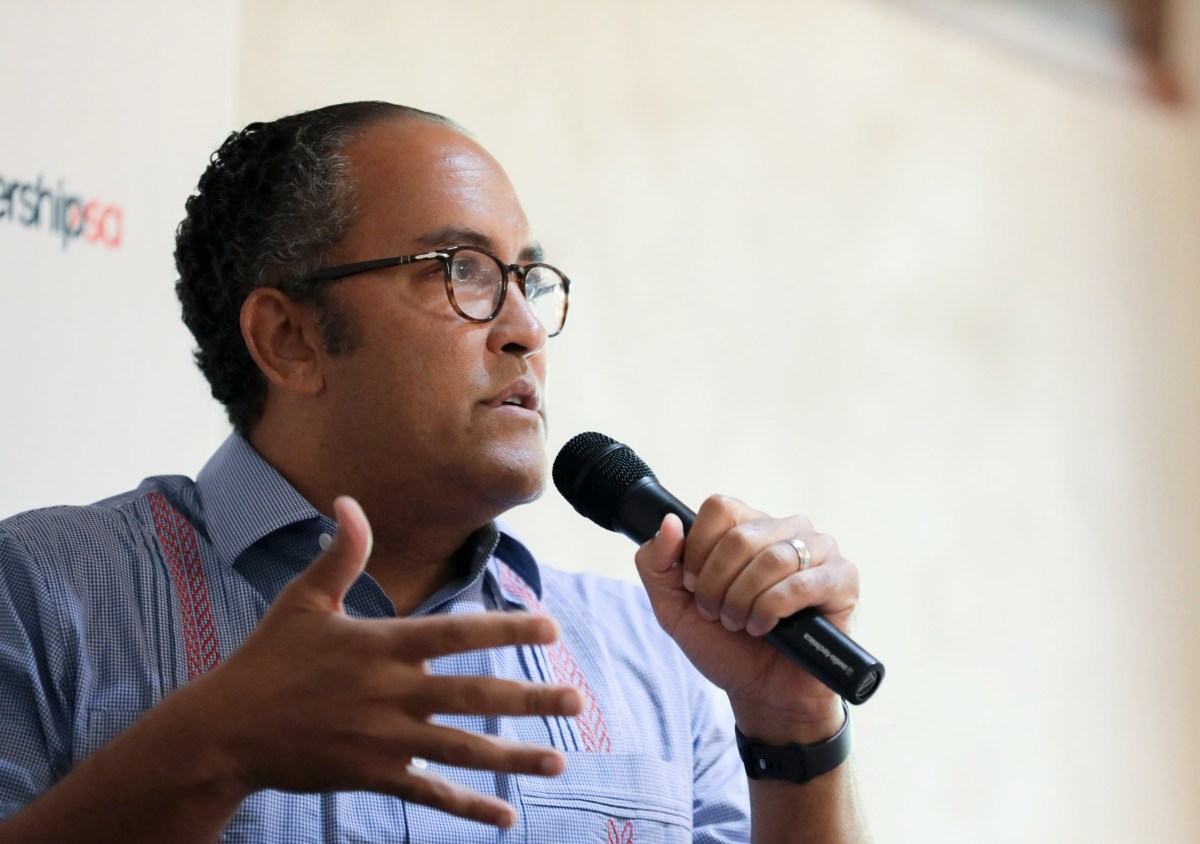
[{"x": 720, "y": 590}]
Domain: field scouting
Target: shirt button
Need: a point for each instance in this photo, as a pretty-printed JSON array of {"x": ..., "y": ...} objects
[
  {"x": 324, "y": 540},
  {"x": 418, "y": 762}
]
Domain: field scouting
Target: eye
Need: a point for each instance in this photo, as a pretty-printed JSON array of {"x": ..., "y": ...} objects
[
  {"x": 465, "y": 266},
  {"x": 474, "y": 271}
]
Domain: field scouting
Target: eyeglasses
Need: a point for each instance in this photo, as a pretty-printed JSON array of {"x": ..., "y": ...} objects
[{"x": 477, "y": 282}]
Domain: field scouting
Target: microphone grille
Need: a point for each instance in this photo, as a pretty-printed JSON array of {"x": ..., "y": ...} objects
[{"x": 592, "y": 471}]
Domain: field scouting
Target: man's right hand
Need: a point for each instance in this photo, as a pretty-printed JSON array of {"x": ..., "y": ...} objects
[{"x": 317, "y": 701}]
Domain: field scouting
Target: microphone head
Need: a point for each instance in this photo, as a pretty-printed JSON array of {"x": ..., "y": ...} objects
[{"x": 592, "y": 471}]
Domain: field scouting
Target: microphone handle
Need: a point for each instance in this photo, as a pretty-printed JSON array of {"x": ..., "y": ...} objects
[{"x": 807, "y": 638}]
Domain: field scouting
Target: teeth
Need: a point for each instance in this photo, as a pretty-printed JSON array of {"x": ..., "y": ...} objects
[{"x": 513, "y": 400}]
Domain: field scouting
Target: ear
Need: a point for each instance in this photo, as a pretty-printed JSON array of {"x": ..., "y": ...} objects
[{"x": 283, "y": 339}]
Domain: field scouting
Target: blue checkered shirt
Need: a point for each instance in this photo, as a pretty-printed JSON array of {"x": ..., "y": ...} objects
[{"x": 105, "y": 609}]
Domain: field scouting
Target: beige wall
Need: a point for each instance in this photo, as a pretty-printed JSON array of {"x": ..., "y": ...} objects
[{"x": 835, "y": 258}]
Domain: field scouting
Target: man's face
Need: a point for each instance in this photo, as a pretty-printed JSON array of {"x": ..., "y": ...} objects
[{"x": 421, "y": 413}]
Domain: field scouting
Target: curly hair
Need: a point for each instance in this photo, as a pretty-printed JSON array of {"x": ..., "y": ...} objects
[{"x": 275, "y": 197}]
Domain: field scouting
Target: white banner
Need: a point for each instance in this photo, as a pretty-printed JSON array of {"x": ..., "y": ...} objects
[{"x": 111, "y": 111}]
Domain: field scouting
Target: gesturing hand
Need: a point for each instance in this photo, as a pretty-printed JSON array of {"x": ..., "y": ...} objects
[{"x": 317, "y": 701}]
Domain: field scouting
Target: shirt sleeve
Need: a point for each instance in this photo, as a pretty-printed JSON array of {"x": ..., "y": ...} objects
[{"x": 34, "y": 723}]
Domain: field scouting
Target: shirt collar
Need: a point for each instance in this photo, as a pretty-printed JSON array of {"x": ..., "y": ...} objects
[
  {"x": 511, "y": 553},
  {"x": 245, "y": 499}
]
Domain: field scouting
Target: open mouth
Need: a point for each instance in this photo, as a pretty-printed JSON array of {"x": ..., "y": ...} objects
[{"x": 521, "y": 394}]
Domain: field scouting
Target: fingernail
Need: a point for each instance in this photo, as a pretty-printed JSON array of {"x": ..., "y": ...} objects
[
  {"x": 689, "y": 581},
  {"x": 705, "y": 614},
  {"x": 550, "y": 765},
  {"x": 727, "y": 623}
]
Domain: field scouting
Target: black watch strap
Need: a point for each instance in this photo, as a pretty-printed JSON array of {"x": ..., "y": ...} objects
[{"x": 796, "y": 763}]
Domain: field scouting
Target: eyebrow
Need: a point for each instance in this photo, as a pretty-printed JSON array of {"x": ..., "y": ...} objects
[{"x": 461, "y": 236}]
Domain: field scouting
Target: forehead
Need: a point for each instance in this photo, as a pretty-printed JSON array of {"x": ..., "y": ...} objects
[{"x": 414, "y": 177}]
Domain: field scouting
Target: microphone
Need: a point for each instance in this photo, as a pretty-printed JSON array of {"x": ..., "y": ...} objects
[{"x": 606, "y": 482}]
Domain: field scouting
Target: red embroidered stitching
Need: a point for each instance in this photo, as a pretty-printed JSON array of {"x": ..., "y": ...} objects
[
  {"x": 178, "y": 540},
  {"x": 622, "y": 836},
  {"x": 593, "y": 729}
]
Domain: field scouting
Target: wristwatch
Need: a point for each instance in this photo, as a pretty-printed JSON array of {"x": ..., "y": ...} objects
[{"x": 796, "y": 763}]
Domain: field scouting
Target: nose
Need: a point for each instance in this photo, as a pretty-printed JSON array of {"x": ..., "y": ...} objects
[{"x": 517, "y": 329}]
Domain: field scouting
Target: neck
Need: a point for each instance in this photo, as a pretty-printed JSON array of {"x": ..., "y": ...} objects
[
  {"x": 411, "y": 564},
  {"x": 415, "y": 550}
]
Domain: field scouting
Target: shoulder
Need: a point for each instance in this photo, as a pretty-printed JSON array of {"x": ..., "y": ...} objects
[{"x": 52, "y": 538}]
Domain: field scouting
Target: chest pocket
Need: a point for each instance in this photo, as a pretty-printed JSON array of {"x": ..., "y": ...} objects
[{"x": 610, "y": 798}]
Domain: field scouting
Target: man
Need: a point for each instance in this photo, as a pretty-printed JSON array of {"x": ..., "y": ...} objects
[{"x": 371, "y": 307}]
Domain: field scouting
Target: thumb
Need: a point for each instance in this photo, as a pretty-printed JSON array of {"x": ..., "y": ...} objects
[
  {"x": 658, "y": 564},
  {"x": 328, "y": 578}
]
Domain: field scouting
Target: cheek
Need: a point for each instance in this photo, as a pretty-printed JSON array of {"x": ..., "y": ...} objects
[
  {"x": 413, "y": 363},
  {"x": 538, "y": 369},
  {"x": 435, "y": 378}
]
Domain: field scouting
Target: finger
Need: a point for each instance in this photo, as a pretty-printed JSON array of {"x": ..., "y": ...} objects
[
  {"x": 718, "y": 515},
  {"x": 831, "y": 588},
  {"x": 821, "y": 547},
  {"x": 462, "y": 749},
  {"x": 735, "y": 550},
  {"x": 430, "y": 789},
  {"x": 772, "y": 565},
  {"x": 417, "y": 639},
  {"x": 658, "y": 566},
  {"x": 458, "y": 695},
  {"x": 664, "y": 550},
  {"x": 328, "y": 578}
]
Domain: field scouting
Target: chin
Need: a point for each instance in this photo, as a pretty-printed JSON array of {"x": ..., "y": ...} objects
[
  {"x": 527, "y": 482},
  {"x": 521, "y": 475}
]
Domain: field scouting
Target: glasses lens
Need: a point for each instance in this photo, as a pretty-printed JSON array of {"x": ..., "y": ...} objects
[
  {"x": 476, "y": 279},
  {"x": 546, "y": 293}
]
